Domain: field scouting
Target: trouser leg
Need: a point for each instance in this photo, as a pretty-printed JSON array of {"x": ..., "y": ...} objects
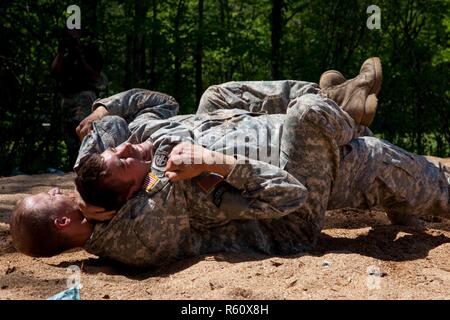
[
  {"x": 314, "y": 130},
  {"x": 255, "y": 96},
  {"x": 376, "y": 174},
  {"x": 271, "y": 97}
]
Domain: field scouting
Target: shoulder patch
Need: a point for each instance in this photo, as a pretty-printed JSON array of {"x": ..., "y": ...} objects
[{"x": 160, "y": 160}]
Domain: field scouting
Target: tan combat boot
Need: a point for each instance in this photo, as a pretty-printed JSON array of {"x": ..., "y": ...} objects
[
  {"x": 331, "y": 78},
  {"x": 356, "y": 96}
]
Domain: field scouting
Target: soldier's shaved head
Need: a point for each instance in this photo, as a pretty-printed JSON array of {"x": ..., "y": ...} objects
[{"x": 47, "y": 224}]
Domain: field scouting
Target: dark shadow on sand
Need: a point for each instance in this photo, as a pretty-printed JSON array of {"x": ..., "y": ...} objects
[
  {"x": 385, "y": 242},
  {"x": 388, "y": 243}
]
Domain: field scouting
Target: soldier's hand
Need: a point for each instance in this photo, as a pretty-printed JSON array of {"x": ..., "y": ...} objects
[
  {"x": 85, "y": 125},
  {"x": 187, "y": 161},
  {"x": 91, "y": 212}
]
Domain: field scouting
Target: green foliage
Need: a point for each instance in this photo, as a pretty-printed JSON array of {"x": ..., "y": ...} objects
[{"x": 154, "y": 44}]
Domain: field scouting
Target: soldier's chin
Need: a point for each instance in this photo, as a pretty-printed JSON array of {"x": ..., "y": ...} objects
[
  {"x": 151, "y": 152},
  {"x": 145, "y": 154}
]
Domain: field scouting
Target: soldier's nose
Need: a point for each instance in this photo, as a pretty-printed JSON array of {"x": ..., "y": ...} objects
[{"x": 124, "y": 150}]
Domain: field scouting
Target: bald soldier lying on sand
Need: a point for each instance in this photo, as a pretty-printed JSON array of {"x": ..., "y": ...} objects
[{"x": 252, "y": 202}]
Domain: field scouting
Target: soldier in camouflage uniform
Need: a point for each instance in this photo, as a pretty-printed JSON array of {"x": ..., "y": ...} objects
[
  {"x": 274, "y": 206},
  {"x": 275, "y": 209}
]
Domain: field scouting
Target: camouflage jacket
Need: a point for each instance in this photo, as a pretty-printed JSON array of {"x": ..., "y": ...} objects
[{"x": 173, "y": 220}]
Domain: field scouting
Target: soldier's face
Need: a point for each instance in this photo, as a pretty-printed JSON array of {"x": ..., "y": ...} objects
[{"x": 128, "y": 163}]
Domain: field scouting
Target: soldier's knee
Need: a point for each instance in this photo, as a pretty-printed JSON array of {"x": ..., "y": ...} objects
[
  {"x": 211, "y": 91},
  {"x": 204, "y": 105},
  {"x": 310, "y": 107},
  {"x": 314, "y": 101}
]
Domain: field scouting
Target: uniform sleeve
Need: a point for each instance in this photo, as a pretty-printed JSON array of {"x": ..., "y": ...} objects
[
  {"x": 259, "y": 191},
  {"x": 147, "y": 231},
  {"x": 110, "y": 131},
  {"x": 159, "y": 131},
  {"x": 135, "y": 102}
]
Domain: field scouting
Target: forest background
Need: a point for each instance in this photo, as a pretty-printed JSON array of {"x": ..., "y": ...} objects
[{"x": 181, "y": 47}]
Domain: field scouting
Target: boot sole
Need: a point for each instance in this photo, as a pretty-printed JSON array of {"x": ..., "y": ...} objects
[
  {"x": 363, "y": 114},
  {"x": 370, "y": 109}
]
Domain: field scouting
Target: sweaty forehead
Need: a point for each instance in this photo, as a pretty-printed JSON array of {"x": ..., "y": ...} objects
[
  {"x": 107, "y": 153},
  {"x": 108, "y": 156},
  {"x": 111, "y": 161},
  {"x": 40, "y": 200}
]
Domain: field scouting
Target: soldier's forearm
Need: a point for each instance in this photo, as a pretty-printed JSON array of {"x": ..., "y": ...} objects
[
  {"x": 271, "y": 191},
  {"x": 130, "y": 103},
  {"x": 222, "y": 164}
]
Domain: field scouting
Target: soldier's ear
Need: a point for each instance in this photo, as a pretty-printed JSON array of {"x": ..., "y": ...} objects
[{"x": 61, "y": 222}]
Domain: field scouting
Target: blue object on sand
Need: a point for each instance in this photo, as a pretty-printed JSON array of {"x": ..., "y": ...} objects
[{"x": 72, "y": 293}]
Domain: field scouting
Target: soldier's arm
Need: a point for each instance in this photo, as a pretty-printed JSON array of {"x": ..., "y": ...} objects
[
  {"x": 258, "y": 190},
  {"x": 159, "y": 132},
  {"x": 109, "y": 131},
  {"x": 130, "y": 105},
  {"x": 251, "y": 189}
]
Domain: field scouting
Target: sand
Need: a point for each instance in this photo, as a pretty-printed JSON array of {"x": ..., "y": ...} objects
[{"x": 360, "y": 256}]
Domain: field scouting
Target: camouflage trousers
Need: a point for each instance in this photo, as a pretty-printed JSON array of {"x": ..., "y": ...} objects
[
  {"x": 322, "y": 147},
  {"x": 255, "y": 96},
  {"x": 271, "y": 97}
]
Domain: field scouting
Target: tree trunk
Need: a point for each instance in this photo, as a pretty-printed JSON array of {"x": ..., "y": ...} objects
[
  {"x": 140, "y": 9},
  {"x": 153, "y": 46},
  {"x": 177, "y": 50},
  {"x": 199, "y": 55},
  {"x": 89, "y": 16},
  {"x": 224, "y": 14},
  {"x": 277, "y": 23}
]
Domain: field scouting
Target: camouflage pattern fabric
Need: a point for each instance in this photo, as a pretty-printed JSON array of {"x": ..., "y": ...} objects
[
  {"x": 255, "y": 96},
  {"x": 271, "y": 202},
  {"x": 374, "y": 173}
]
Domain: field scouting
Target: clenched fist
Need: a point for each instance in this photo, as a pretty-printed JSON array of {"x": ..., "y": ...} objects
[
  {"x": 187, "y": 161},
  {"x": 85, "y": 125}
]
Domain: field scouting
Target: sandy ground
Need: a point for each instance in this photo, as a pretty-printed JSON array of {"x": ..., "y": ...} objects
[{"x": 360, "y": 256}]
